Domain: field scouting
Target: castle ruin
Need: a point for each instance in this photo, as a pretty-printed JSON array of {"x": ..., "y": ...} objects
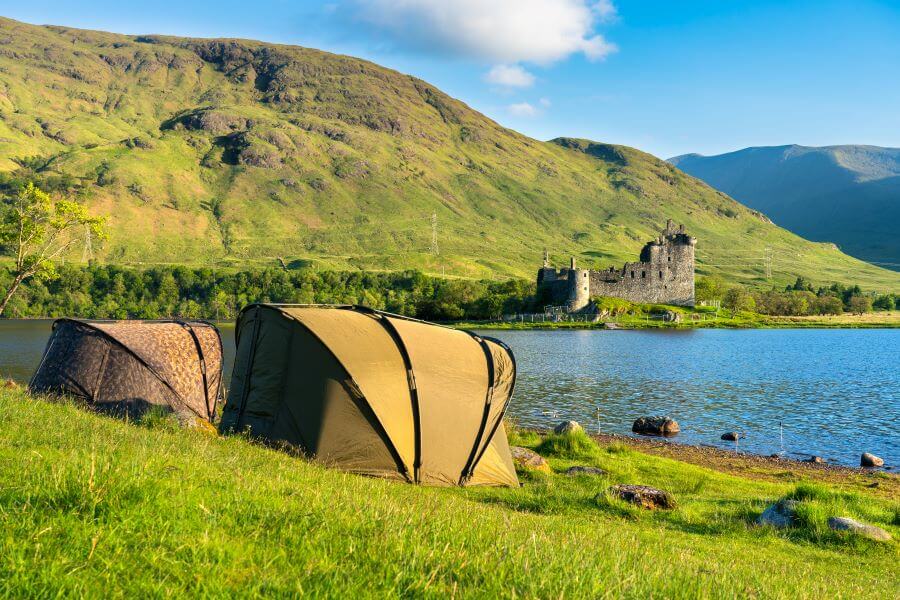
[{"x": 664, "y": 275}]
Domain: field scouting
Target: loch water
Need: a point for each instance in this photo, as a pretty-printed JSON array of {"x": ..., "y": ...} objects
[{"x": 832, "y": 393}]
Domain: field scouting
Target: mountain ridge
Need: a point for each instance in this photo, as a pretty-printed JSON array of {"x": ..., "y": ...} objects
[
  {"x": 235, "y": 152},
  {"x": 848, "y": 194}
]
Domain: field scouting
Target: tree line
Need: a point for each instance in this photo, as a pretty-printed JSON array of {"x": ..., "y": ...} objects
[
  {"x": 112, "y": 292},
  {"x": 797, "y": 299}
]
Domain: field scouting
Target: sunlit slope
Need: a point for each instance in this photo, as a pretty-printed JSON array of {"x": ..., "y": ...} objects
[{"x": 227, "y": 152}]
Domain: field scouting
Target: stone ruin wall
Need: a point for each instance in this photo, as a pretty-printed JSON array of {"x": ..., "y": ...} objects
[{"x": 664, "y": 275}]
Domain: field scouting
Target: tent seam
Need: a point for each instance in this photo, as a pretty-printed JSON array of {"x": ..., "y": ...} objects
[{"x": 469, "y": 467}]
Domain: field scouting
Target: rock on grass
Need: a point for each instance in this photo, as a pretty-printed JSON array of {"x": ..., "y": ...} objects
[
  {"x": 853, "y": 526},
  {"x": 567, "y": 427},
  {"x": 780, "y": 515},
  {"x": 529, "y": 459},
  {"x": 580, "y": 470},
  {"x": 644, "y": 496}
]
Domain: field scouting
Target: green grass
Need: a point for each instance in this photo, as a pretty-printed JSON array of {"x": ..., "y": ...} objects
[
  {"x": 91, "y": 506},
  {"x": 363, "y": 157}
]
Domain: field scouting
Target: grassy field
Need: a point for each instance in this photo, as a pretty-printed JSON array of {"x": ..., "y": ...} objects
[
  {"x": 90, "y": 506},
  {"x": 237, "y": 153}
]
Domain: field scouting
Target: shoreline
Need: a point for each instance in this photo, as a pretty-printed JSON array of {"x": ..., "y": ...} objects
[
  {"x": 892, "y": 322},
  {"x": 755, "y": 466}
]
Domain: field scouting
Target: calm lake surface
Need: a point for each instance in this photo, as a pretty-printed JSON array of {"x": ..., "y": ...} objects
[{"x": 833, "y": 393}]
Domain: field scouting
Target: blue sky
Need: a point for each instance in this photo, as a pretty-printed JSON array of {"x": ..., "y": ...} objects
[{"x": 668, "y": 77}]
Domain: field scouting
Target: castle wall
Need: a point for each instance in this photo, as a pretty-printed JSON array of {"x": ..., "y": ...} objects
[{"x": 664, "y": 275}]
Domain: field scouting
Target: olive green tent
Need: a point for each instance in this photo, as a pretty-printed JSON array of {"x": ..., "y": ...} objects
[{"x": 374, "y": 393}]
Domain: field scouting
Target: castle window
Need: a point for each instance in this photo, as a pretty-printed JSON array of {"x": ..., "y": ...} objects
[
  {"x": 669, "y": 258},
  {"x": 660, "y": 274},
  {"x": 632, "y": 274},
  {"x": 643, "y": 274},
  {"x": 585, "y": 274}
]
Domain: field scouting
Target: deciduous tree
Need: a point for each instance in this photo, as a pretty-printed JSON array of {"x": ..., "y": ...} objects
[{"x": 36, "y": 230}]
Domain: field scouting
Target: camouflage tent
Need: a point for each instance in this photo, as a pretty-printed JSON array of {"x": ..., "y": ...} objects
[
  {"x": 126, "y": 367},
  {"x": 374, "y": 393}
]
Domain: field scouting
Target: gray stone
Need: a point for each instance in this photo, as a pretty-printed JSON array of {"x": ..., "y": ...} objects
[
  {"x": 567, "y": 427},
  {"x": 815, "y": 459},
  {"x": 644, "y": 496},
  {"x": 731, "y": 436},
  {"x": 655, "y": 426},
  {"x": 870, "y": 460},
  {"x": 580, "y": 470},
  {"x": 779, "y": 515},
  {"x": 670, "y": 316},
  {"x": 529, "y": 459},
  {"x": 854, "y": 526}
]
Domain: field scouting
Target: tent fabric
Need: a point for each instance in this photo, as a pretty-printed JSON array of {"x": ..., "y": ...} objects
[
  {"x": 129, "y": 366},
  {"x": 374, "y": 393}
]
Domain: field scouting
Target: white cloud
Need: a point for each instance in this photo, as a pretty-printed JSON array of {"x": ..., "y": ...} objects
[
  {"x": 522, "y": 109},
  {"x": 545, "y": 102},
  {"x": 606, "y": 11},
  {"x": 501, "y": 31},
  {"x": 509, "y": 76}
]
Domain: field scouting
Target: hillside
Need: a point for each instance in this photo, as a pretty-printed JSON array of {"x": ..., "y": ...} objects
[
  {"x": 232, "y": 152},
  {"x": 849, "y": 195},
  {"x": 94, "y": 507}
]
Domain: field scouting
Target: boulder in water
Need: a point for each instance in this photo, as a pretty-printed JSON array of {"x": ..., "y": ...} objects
[
  {"x": 663, "y": 426},
  {"x": 870, "y": 460}
]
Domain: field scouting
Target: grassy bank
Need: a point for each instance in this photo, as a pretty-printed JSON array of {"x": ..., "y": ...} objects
[
  {"x": 93, "y": 506},
  {"x": 706, "y": 319}
]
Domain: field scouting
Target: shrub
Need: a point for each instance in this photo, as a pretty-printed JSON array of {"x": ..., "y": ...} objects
[{"x": 574, "y": 444}]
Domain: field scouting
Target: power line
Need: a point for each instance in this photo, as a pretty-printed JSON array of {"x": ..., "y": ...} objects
[
  {"x": 87, "y": 254},
  {"x": 434, "y": 234}
]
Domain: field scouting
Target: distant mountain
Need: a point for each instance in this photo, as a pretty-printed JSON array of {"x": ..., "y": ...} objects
[
  {"x": 849, "y": 195},
  {"x": 232, "y": 153}
]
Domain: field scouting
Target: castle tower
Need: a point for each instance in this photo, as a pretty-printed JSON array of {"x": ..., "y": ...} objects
[{"x": 579, "y": 288}]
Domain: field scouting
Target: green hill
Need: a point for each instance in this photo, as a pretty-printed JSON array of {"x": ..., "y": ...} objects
[
  {"x": 849, "y": 195},
  {"x": 93, "y": 507},
  {"x": 232, "y": 152}
]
